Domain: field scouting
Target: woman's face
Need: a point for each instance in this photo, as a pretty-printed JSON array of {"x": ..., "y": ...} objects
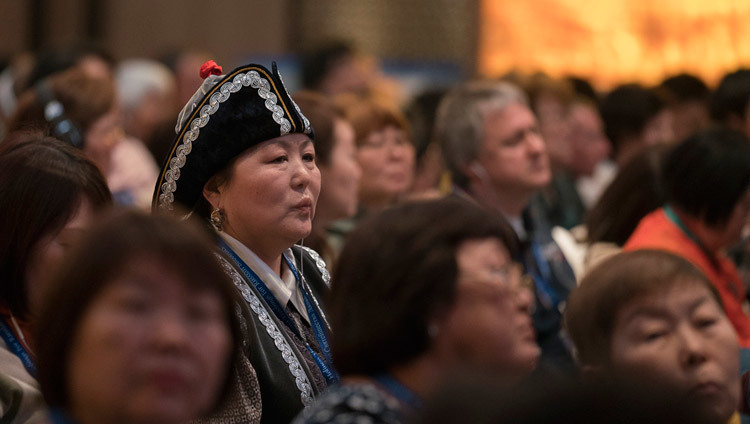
[
  {"x": 387, "y": 161},
  {"x": 681, "y": 337},
  {"x": 341, "y": 176},
  {"x": 490, "y": 325},
  {"x": 148, "y": 349},
  {"x": 101, "y": 138},
  {"x": 49, "y": 250},
  {"x": 269, "y": 199}
]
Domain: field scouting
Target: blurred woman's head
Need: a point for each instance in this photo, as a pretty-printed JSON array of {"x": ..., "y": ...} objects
[
  {"x": 707, "y": 177},
  {"x": 636, "y": 190},
  {"x": 385, "y": 151},
  {"x": 448, "y": 290},
  {"x": 74, "y": 107},
  {"x": 335, "y": 155},
  {"x": 139, "y": 325},
  {"x": 50, "y": 192}
]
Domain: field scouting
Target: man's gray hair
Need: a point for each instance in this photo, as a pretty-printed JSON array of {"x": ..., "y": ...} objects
[
  {"x": 136, "y": 78},
  {"x": 459, "y": 125}
]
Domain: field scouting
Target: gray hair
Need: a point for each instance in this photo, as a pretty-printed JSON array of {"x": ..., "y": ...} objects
[
  {"x": 136, "y": 78},
  {"x": 459, "y": 126}
]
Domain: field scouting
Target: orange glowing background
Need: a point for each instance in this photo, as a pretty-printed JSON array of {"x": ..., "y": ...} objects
[{"x": 614, "y": 41}]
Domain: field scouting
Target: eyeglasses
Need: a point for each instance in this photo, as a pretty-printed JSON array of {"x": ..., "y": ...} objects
[{"x": 501, "y": 282}]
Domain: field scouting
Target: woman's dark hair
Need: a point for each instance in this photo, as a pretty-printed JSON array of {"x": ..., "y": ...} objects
[
  {"x": 396, "y": 272},
  {"x": 626, "y": 111},
  {"x": 592, "y": 309},
  {"x": 42, "y": 184},
  {"x": 105, "y": 252},
  {"x": 686, "y": 87},
  {"x": 635, "y": 191},
  {"x": 707, "y": 174},
  {"x": 731, "y": 97}
]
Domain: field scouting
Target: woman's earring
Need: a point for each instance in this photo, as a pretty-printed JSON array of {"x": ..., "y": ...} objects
[{"x": 217, "y": 219}]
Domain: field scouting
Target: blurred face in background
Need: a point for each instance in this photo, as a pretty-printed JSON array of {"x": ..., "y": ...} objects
[
  {"x": 513, "y": 152},
  {"x": 554, "y": 127},
  {"x": 588, "y": 143},
  {"x": 660, "y": 129},
  {"x": 340, "y": 178},
  {"x": 387, "y": 160},
  {"x": 149, "y": 349},
  {"x": 102, "y": 137}
]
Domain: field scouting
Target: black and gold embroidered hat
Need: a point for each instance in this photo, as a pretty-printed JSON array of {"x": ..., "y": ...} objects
[{"x": 226, "y": 116}]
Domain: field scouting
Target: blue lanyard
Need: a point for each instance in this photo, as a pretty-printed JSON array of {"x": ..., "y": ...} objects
[
  {"x": 547, "y": 294},
  {"x": 325, "y": 365},
  {"x": 17, "y": 348},
  {"x": 399, "y": 391}
]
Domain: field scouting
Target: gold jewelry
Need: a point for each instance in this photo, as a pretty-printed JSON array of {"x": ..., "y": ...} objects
[{"x": 217, "y": 219}]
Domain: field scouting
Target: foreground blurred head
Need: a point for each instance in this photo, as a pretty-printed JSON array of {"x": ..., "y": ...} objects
[
  {"x": 431, "y": 280},
  {"x": 139, "y": 325}
]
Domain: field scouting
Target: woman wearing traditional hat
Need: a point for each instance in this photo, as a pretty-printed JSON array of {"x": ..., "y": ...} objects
[{"x": 244, "y": 160}]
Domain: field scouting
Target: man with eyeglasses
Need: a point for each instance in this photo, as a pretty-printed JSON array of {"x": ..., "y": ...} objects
[{"x": 491, "y": 144}]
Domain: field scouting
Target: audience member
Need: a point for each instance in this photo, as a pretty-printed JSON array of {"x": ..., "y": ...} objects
[
  {"x": 688, "y": 98},
  {"x": 185, "y": 65},
  {"x": 497, "y": 157},
  {"x": 335, "y": 68},
  {"x": 138, "y": 326},
  {"x": 652, "y": 317},
  {"x": 385, "y": 151},
  {"x": 147, "y": 91},
  {"x": 707, "y": 187},
  {"x": 244, "y": 160},
  {"x": 49, "y": 193},
  {"x": 147, "y": 94},
  {"x": 74, "y": 107},
  {"x": 635, "y": 117},
  {"x": 636, "y": 191},
  {"x": 731, "y": 100},
  {"x": 550, "y": 100},
  {"x": 91, "y": 58},
  {"x": 412, "y": 303},
  {"x": 336, "y": 157},
  {"x": 587, "y": 147}
]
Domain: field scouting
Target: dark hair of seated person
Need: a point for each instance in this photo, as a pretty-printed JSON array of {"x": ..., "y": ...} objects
[
  {"x": 706, "y": 175},
  {"x": 397, "y": 271},
  {"x": 42, "y": 184},
  {"x": 636, "y": 190}
]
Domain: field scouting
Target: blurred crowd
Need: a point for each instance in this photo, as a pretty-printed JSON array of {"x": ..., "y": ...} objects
[{"x": 184, "y": 242}]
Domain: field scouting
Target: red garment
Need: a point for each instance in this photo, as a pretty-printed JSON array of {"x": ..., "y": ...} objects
[{"x": 657, "y": 231}]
